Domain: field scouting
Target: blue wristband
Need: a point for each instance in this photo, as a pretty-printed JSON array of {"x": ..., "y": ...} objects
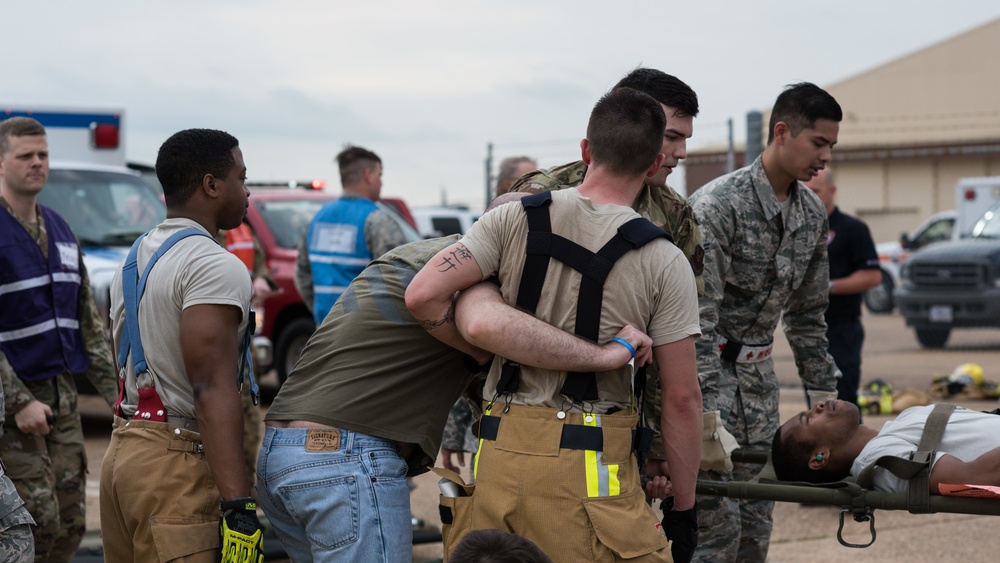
[{"x": 624, "y": 343}]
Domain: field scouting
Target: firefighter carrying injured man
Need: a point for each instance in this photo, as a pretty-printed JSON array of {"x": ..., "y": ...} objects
[{"x": 557, "y": 449}]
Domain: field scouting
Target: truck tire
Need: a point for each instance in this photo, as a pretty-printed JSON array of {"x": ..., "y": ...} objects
[
  {"x": 879, "y": 298},
  {"x": 933, "y": 337},
  {"x": 290, "y": 344}
]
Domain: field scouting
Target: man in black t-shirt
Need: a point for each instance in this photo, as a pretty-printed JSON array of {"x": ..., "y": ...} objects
[{"x": 853, "y": 269}]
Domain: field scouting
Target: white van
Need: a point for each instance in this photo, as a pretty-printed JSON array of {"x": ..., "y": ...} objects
[{"x": 443, "y": 221}]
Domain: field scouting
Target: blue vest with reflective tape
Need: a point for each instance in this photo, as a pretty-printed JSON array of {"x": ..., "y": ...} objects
[
  {"x": 337, "y": 250},
  {"x": 40, "y": 300}
]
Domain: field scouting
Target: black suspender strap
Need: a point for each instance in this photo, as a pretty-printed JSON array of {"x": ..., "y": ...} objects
[
  {"x": 542, "y": 245},
  {"x": 917, "y": 469}
]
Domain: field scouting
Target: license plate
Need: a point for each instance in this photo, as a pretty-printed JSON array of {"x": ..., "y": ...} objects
[{"x": 941, "y": 314}]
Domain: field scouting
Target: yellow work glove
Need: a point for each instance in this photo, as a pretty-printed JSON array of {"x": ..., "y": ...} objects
[{"x": 241, "y": 532}]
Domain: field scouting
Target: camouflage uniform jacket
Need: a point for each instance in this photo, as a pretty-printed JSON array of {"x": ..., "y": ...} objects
[
  {"x": 761, "y": 268},
  {"x": 667, "y": 210},
  {"x": 101, "y": 371},
  {"x": 12, "y": 511}
]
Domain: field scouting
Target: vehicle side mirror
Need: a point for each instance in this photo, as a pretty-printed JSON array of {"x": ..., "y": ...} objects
[{"x": 904, "y": 241}]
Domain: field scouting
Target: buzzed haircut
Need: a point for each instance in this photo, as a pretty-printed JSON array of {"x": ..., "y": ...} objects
[
  {"x": 790, "y": 459},
  {"x": 664, "y": 88},
  {"x": 625, "y": 131},
  {"x": 18, "y": 127},
  {"x": 496, "y": 546},
  {"x": 800, "y": 105},
  {"x": 353, "y": 161},
  {"x": 187, "y": 156}
]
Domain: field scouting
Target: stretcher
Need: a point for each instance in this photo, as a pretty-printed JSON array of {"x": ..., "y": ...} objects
[{"x": 853, "y": 500}]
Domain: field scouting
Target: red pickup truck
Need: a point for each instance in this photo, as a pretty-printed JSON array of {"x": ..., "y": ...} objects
[{"x": 279, "y": 216}]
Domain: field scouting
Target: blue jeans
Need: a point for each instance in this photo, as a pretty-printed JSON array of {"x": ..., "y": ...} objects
[{"x": 345, "y": 499}]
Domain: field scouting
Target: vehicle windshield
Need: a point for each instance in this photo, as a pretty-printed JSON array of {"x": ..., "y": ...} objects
[
  {"x": 287, "y": 219},
  {"x": 103, "y": 208},
  {"x": 989, "y": 226}
]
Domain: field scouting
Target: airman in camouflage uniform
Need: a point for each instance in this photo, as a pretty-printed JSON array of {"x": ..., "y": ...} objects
[
  {"x": 49, "y": 467},
  {"x": 765, "y": 261},
  {"x": 16, "y": 542}
]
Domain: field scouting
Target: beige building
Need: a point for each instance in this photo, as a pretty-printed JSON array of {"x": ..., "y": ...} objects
[{"x": 912, "y": 127}]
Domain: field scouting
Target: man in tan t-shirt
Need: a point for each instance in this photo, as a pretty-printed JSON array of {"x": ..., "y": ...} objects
[{"x": 566, "y": 454}]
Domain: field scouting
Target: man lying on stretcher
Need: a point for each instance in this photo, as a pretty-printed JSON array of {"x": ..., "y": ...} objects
[{"x": 828, "y": 443}]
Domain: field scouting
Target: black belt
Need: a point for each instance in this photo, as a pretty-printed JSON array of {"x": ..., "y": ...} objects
[{"x": 574, "y": 436}]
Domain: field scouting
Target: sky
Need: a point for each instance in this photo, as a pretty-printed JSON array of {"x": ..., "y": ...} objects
[{"x": 430, "y": 85}]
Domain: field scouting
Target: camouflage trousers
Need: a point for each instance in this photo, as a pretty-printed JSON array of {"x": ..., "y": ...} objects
[
  {"x": 50, "y": 475},
  {"x": 738, "y": 529},
  {"x": 17, "y": 544}
]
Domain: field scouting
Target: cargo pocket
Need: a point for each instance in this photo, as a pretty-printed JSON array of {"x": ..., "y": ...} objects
[
  {"x": 181, "y": 537},
  {"x": 456, "y": 512},
  {"x": 624, "y": 526}
]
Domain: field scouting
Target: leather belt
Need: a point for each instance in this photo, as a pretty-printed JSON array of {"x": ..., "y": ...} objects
[
  {"x": 574, "y": 436},
  {"x": 740, "y": 353}
]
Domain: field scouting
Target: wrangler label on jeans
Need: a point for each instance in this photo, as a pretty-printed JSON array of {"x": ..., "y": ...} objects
[{"x": 323, "y": 440}]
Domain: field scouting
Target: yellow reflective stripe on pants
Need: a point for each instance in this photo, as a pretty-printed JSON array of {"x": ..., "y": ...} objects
[
  {"x": 475, "y": 464},
  {"x": 602, "y": 480}
]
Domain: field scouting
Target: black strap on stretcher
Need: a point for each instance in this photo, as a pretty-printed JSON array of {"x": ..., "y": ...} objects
[{"x": 542, "y": 245}]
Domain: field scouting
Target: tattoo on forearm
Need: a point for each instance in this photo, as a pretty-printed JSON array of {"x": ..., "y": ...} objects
[
  {"x": 449, "y": 318},
  {"x": 458, "y": 256}
]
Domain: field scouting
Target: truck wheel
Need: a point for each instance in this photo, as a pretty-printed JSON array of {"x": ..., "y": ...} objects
[
  {"x": 879, "y": 298},
  {"x": 933, "y": 337},
  {"x": 290, "y": 344}
]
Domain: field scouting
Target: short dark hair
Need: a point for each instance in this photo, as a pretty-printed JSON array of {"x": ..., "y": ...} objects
[
  {"x": 664, "y": 88},
  {"x": 800, "y": 105},
  {"x": 790, "y": 459},
  {"x": 626, "y": 131},
  {"x": 18, "y": 127},
  {"x": 496, "y": 546},
  {"x": 353, "y": 161},
  {"x": 187, "y": 156}
]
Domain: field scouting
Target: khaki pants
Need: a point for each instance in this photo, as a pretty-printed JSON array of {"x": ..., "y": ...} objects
[
  {"x": 158, "y": 499},
  {"x": 576, "y": 505}
]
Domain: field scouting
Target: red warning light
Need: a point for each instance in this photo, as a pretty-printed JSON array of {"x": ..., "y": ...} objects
[
  {"x": 104, "y": 135},
  {"x": 318, "y": 184}
]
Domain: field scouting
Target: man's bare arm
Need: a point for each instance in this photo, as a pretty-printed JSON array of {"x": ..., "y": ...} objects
[
  {"x": 681, "y": 420},
  {"x": 210, "y": 345},
  {"x": 485, "y": 320},
  {"x": 429, "y": 297},
  {"x": 949, "y": 470},
  {"x": 858, "y": 282}
]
